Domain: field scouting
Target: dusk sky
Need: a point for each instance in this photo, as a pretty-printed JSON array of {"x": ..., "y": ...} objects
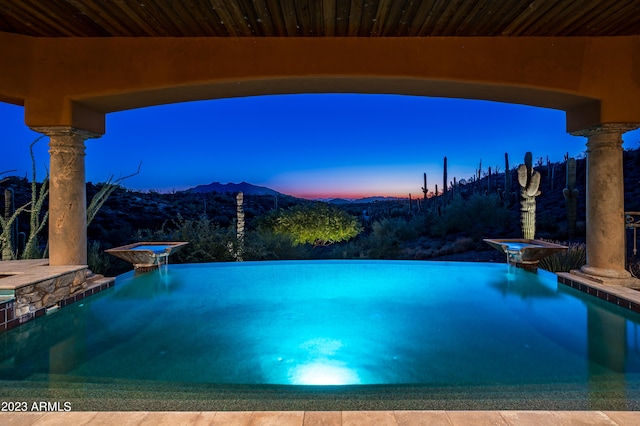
[{"x": 311, "y": 146}]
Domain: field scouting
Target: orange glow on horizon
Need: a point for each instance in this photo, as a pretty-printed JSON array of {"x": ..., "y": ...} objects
[{"x": 346, "y": 195}]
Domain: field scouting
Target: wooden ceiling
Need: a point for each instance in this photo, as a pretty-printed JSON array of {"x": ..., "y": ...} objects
[{"x": 310, "y": 18}]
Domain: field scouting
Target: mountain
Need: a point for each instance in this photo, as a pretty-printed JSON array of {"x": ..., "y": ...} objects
[
  {"x": 378, "y": 198},
  {"x": 337, "y": 201},
  {"x": 244, "y": 187},
  {"x": 359, "y": 200},
  {"x": 250, "y": 189}
]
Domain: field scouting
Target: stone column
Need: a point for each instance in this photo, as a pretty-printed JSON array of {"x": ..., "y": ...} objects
[
  {"x": 605, "y": 203},
  {"x": 67, "y": 195}
]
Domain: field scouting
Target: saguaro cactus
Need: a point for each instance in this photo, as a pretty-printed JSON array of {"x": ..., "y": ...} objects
[
  {"x": 529, "y": 181},
  {"x": 507, "y": 175},
  {"x": 571, "y": 197},
  {"x": 424, "y": 188},
  {"x": 444, "y": 177},
  {"x": 239, "y": 226}
]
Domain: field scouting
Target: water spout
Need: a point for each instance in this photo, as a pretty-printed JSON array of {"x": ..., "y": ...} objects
[
  {"x": 147, "y": 256},
  {"x": 525, "y": 253}
]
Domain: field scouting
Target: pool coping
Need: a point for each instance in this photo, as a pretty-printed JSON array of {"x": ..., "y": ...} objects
[
  {"x": 22, "y": 273},
  {"x": 624, "y": 297}
]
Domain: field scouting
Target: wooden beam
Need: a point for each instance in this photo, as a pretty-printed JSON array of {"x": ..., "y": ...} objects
[
  {"x": 329, "y": 16},
  {"x": 342, "y": 17},
  {"x": 355, "y": 17},
  {"x": 265, "y": 20}
]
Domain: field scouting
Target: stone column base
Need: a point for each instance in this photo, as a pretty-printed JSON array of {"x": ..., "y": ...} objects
[{"x": 629, "y": 281}]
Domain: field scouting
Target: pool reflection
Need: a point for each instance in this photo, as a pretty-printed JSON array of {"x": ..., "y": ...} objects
[{"x": 608, "y": 348}]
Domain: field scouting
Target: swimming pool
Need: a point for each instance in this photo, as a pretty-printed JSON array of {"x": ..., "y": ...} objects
[{"x": 401, "y": 330}]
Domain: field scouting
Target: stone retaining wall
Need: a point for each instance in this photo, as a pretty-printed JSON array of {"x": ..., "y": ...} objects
[
  {"x": 36, "y": 287},
  {"x": 48, "y": 293}
]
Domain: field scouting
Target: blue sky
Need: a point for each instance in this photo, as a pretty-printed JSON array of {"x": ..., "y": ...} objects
[{"x": 308, "y": 145}]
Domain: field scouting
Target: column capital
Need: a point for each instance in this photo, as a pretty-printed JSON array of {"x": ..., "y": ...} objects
[
  {"x": 616, "y": 128},
  {"x": 66, "y": 131}
]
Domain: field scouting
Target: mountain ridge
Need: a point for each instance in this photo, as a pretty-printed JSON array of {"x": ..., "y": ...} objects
[
  {"x": 251, "y": 189},
  {"x": 244, "y": 187}
]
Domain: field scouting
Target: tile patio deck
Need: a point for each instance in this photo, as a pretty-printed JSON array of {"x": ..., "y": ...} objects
[{"x": 328, "y": 418}]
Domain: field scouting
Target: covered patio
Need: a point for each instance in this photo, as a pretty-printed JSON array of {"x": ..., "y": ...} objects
[{"x": 69, "y": 63}]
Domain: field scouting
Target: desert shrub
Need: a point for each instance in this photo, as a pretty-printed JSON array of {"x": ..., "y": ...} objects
[
  {"x": 102, "y": 263},
  {"x": 264, "y": 244},
  {"x": 547, "y": 226},
  {"x": 99, "y": 262},
  {"x": 318, "y": 224},
  {"x": 572, "y": 258},
  {"x": 389, "y": 235},
  {"x": 427, "y": 249},
  {"x": 459, "y": 245},
  {"x": 397, "y": 227},
  {"x": 208, "y": 242},
  {"x": 111, "y": 232},
  {"x": 476, "y": 216},
  {"x": 355, "y": 249}
]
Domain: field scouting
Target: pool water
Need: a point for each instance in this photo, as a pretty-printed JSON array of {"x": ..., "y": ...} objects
[
  {"x": 334, "y": 323},
  {"x": 156, "y": 248},
  {"x": 514, "y": 246}
]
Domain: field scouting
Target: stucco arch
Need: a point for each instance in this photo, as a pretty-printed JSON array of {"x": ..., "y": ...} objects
[
  {"x": 74, "y": 82},
  {"x": 365, "y": 84}
]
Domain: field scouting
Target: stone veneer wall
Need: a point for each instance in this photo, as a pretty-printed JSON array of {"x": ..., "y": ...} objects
[
  {"x": 33, "y": 300},
  {"x": 48, "y": 293}
]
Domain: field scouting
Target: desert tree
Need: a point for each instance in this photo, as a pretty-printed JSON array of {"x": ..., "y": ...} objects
[
  {"x": 33, "y": 207},
  {"x": 318, "y": 224},
  {"x": 6, "y": 231},
  {"x": 4, "y": 173},
  {"x": 36, "y": 221},
  {"x": 105, "y": 192}
]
